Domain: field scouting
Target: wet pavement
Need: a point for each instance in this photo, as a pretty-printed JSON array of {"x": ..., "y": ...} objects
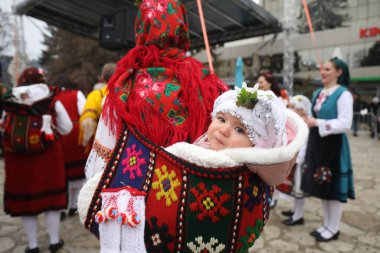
[{"x": 359, "y": 232}]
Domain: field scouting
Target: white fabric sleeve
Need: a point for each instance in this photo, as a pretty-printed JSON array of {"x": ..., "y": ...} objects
[
  {"x": 81, "y": 100},
  {"x": 343, "y": 122},
  {"x": 64, "y": 124},
  {"x": 104, "y": 140}
]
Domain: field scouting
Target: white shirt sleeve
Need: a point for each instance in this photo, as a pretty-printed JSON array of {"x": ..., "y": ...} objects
[
  {"x": 64, "y": 124},
  {"x": 343, "y": 122},
  {"x": 81, "y": 100},
  {"x": 104, "y": 140}
]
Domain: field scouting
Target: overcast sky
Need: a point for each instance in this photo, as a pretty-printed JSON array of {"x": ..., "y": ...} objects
[{"x": 33, "y": 31}]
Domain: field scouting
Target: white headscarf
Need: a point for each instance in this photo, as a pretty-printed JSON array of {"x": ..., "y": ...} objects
[
  {"x": 265, "y": 122},
  {"x": 301, "y": 102}
]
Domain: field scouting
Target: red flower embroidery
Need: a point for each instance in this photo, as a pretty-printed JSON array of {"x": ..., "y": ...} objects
[{"x": 208, "y": 203}]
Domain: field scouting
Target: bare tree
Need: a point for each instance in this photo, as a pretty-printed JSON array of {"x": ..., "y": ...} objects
[
  {"x": 5, "y": 31},
  {"x": 5, "y": 40}
]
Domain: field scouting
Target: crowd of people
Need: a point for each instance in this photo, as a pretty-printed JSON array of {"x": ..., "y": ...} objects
[
  {"x": 43, "y": 156},
  {"x": 55, "y": 139}
]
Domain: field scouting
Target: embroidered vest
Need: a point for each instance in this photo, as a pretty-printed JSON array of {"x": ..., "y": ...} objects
[{"x": 188, "y": 208}]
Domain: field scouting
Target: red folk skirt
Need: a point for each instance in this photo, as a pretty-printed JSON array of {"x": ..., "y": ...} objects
[
  {"x": 35, "y": 183},
  {"x": 74, "y": 154}
]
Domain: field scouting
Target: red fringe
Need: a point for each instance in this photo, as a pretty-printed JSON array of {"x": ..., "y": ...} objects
[{"x": 150, "y": 123}]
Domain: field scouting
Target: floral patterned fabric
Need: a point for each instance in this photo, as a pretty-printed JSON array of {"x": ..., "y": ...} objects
[
  {"x": 167, "y": 95},
  {"x": 162, "y": 23}
]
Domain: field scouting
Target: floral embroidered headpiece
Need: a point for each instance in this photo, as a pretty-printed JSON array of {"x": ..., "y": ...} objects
[{"x": 261, "y": 112}]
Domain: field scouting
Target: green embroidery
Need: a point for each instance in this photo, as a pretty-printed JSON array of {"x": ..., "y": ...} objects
[
  {"x": 169, "y": 88},
  {"x": 252, "y": 234},
  {"x": 141, "y": 29},
  {"x": 178, "y": 120},
  {"x": 171, "y": 9},
  {"x": 154, "y": 72},
  {"x": 205, "y": 71},
  {"x": 124, "y": 98}
]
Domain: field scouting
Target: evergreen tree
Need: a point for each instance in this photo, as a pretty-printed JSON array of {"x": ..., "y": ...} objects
[
  {"x": 324, "y": 14},
  {"x": 79, "y": 57}
]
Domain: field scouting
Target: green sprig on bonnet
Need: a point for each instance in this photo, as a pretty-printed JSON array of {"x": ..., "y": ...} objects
[{"x": 247, "y": 99}]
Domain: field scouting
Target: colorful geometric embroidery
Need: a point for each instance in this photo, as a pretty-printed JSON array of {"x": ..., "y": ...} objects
[
  {"x": 253, "y": 191},
  {"x": 103, "y": 152},
  {"x": 252, "y": 234},
  {"x": 133, "y": 162},
  {"x": 208, "y": 203},
  {"x": 166, "y": 183},
  {"x": 157, "y": 238},
  {"x": 208, "y": 247},
  {"x": 33, "y": 139}
]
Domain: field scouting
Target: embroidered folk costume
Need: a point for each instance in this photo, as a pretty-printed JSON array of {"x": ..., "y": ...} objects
[
  {"x": 32, "y": 186},
  {"x": 328, "y": 172},
  {"x": 74, "y": 153},
  {"x": 192, "y": 201}
]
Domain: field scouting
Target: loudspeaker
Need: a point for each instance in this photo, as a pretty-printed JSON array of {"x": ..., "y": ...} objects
[{"x": 117, "y": 29}]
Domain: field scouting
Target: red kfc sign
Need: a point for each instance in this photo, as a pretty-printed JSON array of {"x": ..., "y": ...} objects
[{"x": 369, "y": 32}]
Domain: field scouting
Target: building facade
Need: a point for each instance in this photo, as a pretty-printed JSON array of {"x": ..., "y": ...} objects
[{"x": 349, "y": 29}]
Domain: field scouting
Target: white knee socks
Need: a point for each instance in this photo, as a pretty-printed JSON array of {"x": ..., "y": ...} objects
[
  {"x": 335, "y": 211},
  {"x": 132, "y": 234},
  {"x": 332, "y": 214},
  {"x": 30, "y": 224},
  {"x": 122, "y": 221},
  {"x": 326, "y": 217},
  {"x": 74, "y": 188},
  {"x": 52, "y": 219},
  {"x": 298, "y": 209}
]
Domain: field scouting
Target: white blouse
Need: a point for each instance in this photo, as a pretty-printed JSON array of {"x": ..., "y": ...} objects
[{"x": 343, "y": 122}]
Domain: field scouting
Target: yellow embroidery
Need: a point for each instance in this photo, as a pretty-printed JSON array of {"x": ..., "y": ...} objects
[
  {"x": 33, "y": 139},
  {"x": 166, "y": 184}
]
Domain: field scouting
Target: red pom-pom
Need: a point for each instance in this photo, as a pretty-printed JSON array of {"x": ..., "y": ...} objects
[
  {"x": 133, "y": 220},
  {"x": 112, "y": 212},
  {"x": 121, "y": 218},
  {"x": 100, "y": 217}
]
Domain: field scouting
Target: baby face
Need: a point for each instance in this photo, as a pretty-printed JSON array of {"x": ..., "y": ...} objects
[{"x": 227, "y": 131}]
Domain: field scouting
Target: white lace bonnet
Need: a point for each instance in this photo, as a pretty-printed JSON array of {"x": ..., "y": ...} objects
[
  {"x": 301, "y": 103},
  {"x": 265, "y": 122}
]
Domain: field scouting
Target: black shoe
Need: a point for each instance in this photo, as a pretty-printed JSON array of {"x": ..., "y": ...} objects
[
  {"x": 72, "y": 211},
  {"x": 322, "y": 239},
  {"x": 34, "y": 250},
  {"x": 287, "y": 213},
  {"x": 355, "y": 134},
  {"x": 55, "y": 247},
  {"x": 315, "y": 233},
  {"x": 291, "y": 222}
]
